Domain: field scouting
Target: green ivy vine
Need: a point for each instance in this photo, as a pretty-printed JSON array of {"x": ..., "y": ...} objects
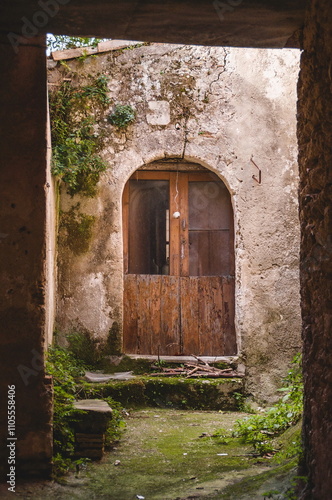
[
  {"x": 122, "y": 116},
  {"x": 76, "y": 141}
]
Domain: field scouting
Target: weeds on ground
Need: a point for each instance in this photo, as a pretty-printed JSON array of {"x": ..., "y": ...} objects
[
  {"x": 65, "y": 370},
  {"x": 261, "y": 430}
]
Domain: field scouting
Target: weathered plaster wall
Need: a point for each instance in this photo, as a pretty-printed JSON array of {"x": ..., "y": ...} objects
[{"x": 219, "y": 108}]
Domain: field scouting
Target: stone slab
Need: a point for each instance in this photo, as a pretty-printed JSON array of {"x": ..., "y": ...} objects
[
  {"x": 60, "y": 55},
  {"x": 104, "y": 377},
  {"x": 186, "y": 359},
  {"x": 93, "y": 405}
]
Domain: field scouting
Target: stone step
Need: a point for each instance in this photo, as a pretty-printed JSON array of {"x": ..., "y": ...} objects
[
  {"x": 185, "y": 359},
  {"x": 95, "y": 377},
  {"x": 91, "y": 421},
  {"x": 172, "y": 392}
]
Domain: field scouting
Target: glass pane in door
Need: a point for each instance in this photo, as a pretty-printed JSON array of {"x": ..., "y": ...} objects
[
  {"x": 148, "y": 251},
  {"x": 210, "y": 229}
]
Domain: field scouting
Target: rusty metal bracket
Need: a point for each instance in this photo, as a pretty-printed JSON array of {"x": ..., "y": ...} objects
[{"x": 259, "y": 180}]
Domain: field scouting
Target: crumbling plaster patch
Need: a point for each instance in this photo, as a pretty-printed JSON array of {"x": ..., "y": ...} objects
[{"x": 219, "y": 108}]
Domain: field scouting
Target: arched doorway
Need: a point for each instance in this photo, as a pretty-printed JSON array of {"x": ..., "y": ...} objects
[{"x": 178, "y": 264}]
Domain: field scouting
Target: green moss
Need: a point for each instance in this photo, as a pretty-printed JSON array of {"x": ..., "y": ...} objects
[
  {"x": 260, "y": 430},
  {"x": 163, "y": 457},
  {"x": 137, "y": 366},
  {"x": 128, "y": 393},
  {"x": 78, "y": 227},
  {"x": 84, "y": 348},
  {"x": 114, "y": 340},
  {"x": 172, "y": 392},
  {"x": 122, "y": 116},
  {"x": 289, "y": 444},
  {"x": 246, "y": 487},
  {"x": 198, "y": 394}
]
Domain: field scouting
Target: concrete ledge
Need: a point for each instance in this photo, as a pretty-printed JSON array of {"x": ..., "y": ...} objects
[
  {"x": 185, "y": 359},
  {"x": 109, "y": 45}
]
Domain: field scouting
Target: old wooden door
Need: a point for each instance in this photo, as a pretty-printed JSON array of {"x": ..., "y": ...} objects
[{"x": 178, "y": 265}]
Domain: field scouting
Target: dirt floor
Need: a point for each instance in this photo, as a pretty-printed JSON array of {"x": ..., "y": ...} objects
[{"x": 171, "y": 455}]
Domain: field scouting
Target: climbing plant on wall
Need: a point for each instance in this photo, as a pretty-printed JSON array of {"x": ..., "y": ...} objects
[
  {"x": 77, "y": 138},
  {"x": 122, "y": 115}
]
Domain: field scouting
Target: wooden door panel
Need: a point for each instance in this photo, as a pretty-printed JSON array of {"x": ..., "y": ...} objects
[
  {"x": 202, "y": 316},
  {"x": 169, "y": 340},
  {"x": 130, "y": 319},
  {"x": 155, "y": 323},
  {"x": 204, "y": 311},
  {"x": 151, "y": 314},
  {"x": 147, "y": 324},
  {"x": 144, "y": 323},
  {"x": 210, "y": 316},
  {"x": 175, "y": 246},
  {"x": 228, "y": 285},
  {"x": 189, "y": 315}
]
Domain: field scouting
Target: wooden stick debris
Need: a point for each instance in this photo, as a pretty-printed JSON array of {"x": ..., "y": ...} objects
[{"x": 202, "y": 369}]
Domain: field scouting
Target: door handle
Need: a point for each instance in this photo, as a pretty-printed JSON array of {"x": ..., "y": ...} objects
[{"x": 183, "y": 224}]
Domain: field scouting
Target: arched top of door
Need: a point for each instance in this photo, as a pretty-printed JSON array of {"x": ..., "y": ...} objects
[
  {"x": 174, "y": 164},
  {"x": 179, "y": 165}
]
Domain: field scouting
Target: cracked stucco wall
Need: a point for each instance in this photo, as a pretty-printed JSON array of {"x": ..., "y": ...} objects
[{"x": 220, "y": 108}]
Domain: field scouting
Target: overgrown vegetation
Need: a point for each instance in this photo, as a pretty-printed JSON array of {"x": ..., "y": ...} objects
[
  {"x": 122, "y": 116},
  {"x": 63, "y": 42},
  {"x": 66, "y": 370},
  {"x": 261, "y": 430},
  {"x": 84, "y": 348},
  {"x": 96, "y": 353},
  {"x": 76, "y": 138}
]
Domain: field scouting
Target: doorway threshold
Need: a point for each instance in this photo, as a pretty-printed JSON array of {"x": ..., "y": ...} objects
[{"x": 185, "y": 359}]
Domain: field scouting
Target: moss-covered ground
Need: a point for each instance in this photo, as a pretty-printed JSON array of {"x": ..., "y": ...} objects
[{"x": 168, "y": 454}]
